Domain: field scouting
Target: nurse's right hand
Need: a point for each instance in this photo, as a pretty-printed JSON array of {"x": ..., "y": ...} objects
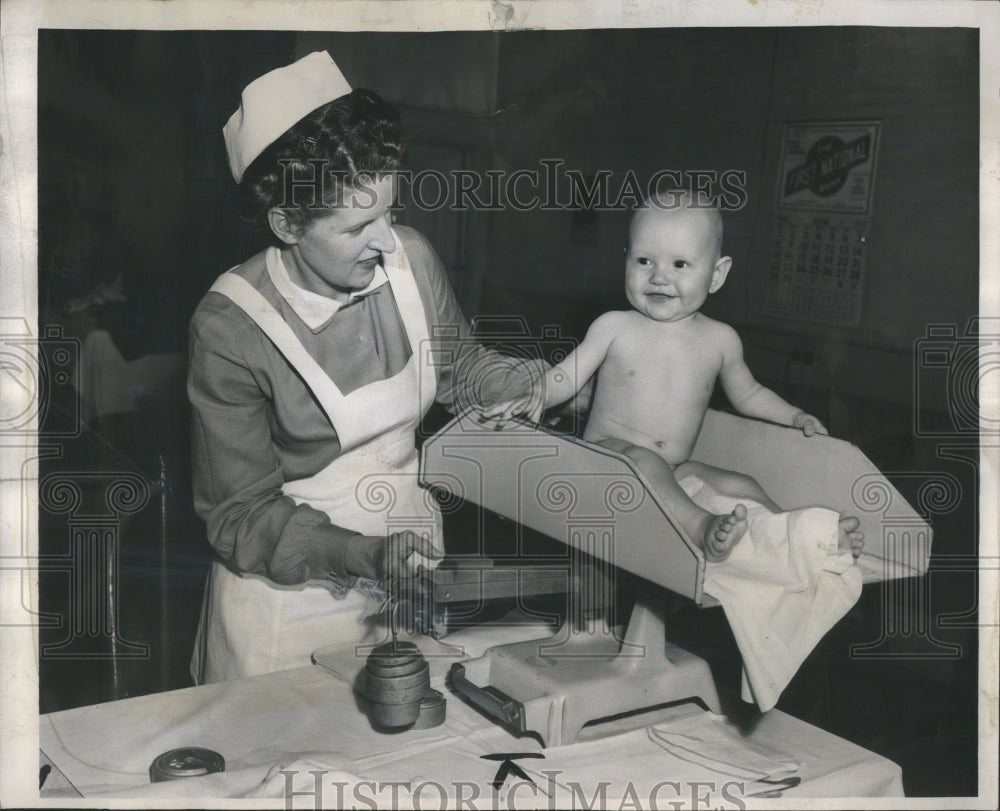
[
  {"x": 528, "y": 407},
  {"x": 397, "y": 556}
]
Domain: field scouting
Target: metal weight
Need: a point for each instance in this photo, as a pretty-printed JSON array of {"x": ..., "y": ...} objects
[
  {"x": 396, "y": 679},
  {"x": 189, "y": 761},
  {"x": 432, "y": 710}
]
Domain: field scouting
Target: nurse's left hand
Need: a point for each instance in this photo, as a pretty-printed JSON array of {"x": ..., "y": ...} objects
[{"x": 395, "y": 557}]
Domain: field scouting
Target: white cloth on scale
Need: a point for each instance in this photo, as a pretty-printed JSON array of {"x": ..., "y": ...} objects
[{"x": 784, "y": 586}]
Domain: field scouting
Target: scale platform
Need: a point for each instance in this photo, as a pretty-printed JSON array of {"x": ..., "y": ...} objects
[{"x": 597, "y": 502}]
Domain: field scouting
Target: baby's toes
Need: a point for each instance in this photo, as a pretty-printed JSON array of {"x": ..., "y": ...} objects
[
  {"x": 850, "y": 523},
  {"x": 724, "y": 528}
]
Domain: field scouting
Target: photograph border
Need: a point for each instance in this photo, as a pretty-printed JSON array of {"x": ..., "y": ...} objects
[{"x": 19, "y": 23}]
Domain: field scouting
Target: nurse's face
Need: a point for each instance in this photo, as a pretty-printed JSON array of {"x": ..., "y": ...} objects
[{"x": 337, "y": 254}]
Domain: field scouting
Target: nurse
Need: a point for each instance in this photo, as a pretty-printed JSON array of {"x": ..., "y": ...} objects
[{"x": 311, "y": 365}]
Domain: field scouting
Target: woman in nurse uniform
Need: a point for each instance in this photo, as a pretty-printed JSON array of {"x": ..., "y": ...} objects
[{"x": 311, "y": 365}]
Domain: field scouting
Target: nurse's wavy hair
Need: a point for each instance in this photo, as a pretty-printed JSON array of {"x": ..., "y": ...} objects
[{"x": 345, "y": 142}]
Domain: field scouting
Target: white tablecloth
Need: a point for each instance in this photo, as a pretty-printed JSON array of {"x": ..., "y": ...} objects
[{"x": 308, "y": 723}]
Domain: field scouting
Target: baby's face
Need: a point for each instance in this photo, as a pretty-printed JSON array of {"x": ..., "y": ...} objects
[{"x": 672, "y": 262}]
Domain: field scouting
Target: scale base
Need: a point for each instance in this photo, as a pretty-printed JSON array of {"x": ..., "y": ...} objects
[{"x": 554, "y": 686}]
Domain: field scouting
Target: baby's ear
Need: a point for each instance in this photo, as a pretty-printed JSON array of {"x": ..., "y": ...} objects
[{"x": 720, "y": 272}]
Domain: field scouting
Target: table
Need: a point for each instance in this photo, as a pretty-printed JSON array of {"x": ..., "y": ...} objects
[{"x": 301, "y": 736}]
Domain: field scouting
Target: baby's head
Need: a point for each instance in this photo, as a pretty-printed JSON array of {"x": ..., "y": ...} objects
[{"x": 674, "y": 255}]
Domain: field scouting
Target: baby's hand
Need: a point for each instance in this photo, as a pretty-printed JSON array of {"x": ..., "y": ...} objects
[{"x": 808, "y": 424}]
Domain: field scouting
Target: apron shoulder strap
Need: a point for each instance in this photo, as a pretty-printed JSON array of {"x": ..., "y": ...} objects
[
  {"x": 353, "y": 425},
  {"x": 263, "y": 314},
  {"x": 411, "y": 250},
  {"x": 408, "y": 241}
]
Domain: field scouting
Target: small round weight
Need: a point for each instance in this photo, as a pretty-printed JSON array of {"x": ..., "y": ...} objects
[
  {"x": 189, "y": 761},
  {"x": 432, "y": 710}
]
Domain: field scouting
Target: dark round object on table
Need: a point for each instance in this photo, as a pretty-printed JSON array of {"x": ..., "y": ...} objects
[
  {"x": 432, "y": 710},
  {"x": 396, "y": 679},
  {"x": 189, "y": 761}
]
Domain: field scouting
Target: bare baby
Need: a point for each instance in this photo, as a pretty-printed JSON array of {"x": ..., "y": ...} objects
[{"x": 658, "y": 364}]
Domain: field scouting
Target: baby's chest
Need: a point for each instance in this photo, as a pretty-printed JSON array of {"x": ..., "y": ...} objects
[{"x": 662, "y": 365}]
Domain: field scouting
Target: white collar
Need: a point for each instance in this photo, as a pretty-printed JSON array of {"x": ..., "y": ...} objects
[{"x": 315, "y": 310}]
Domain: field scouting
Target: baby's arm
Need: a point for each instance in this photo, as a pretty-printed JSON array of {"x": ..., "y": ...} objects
[
  {"x": 562, "y": 381},
  {"x": 751, "y": 398},
  {"x": 570, "y": 375}
]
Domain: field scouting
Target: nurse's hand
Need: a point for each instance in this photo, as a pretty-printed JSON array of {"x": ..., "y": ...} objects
[
  {"x": 397, "y": 556},
  {"x": 529, "y": 407}
]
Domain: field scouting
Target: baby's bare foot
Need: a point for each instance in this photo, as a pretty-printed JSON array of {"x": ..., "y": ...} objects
[
  {"x": 723, "y": 532},
  {"x": 850, "y": 537}
]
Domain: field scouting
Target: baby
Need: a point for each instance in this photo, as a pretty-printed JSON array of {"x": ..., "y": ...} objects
[{"x": 658, "y": 365}]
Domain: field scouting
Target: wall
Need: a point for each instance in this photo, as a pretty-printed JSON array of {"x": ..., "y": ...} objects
[
  {"x": 718, "y": 99},
  {"x": 617, "y": 100},
  {"x": 447, "y": 95},
  {"x": 923, "y": 249}
]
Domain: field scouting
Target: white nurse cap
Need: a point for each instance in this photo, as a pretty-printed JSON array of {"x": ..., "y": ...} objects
[{"x": 274, "y": 102}]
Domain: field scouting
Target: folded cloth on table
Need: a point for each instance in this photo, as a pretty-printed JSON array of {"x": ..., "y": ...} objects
[
  {"x": 694, "y": 758},
  {"x": 304, "y": 778},
  {"x": 784, "y": 586},
  {"x": 292, "y": 778},
  {"x": 711, "y": 741}
]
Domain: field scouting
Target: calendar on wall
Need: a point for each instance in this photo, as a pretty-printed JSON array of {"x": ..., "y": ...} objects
[{"x": 823, "y": 222}]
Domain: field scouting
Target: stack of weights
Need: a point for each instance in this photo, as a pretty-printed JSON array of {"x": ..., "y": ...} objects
[{"x": 397, "y": 682}]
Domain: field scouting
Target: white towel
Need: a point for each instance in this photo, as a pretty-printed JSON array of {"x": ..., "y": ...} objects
[
  {"x": 784, "y": 586},
  {"x": 714, "y": 742}
]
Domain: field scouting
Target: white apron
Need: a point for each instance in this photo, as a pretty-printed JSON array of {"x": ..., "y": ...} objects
[{"x": 249, "y": 624}]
